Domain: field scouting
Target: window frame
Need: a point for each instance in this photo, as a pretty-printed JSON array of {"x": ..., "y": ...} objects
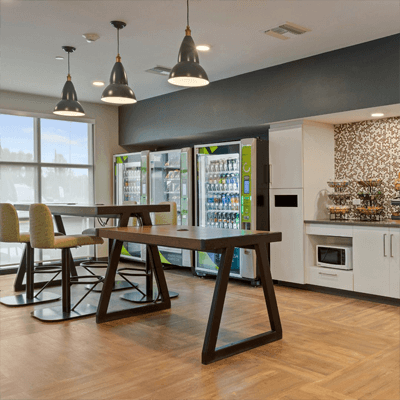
[{"x": 38, "y": 164}]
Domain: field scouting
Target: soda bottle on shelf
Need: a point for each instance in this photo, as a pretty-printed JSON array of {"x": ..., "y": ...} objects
[
  {"x": 232, "y": 222},
  {"x": 225, "y": 220},
  {"x": 215, "y": 186},
  {"x": 237, "y": 215},
  {"x": 220, "y": 220},
  {"x": 228, "y": 201},
  {"x": 223, "y": 201}
]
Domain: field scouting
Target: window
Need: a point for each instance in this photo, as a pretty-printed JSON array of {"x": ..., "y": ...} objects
[{"x": 48, "y": 161}]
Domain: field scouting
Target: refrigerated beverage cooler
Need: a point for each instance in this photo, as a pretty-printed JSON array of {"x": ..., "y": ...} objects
[
  {"x": 171, "y": 181},
  {"x": 231, "y": 192},
  {"x": 131, "y": 177}
]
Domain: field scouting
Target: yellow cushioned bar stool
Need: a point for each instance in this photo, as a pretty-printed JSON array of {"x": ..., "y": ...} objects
[
  {"x": 9, "y": 232},
  {"x": 143, "y": 296},
  {"x": 42, "y": 237}
]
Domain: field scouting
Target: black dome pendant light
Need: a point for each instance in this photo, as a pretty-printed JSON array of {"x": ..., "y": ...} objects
[
  {"x": 188, "y": 71},
  {"x": 118, "y": 91},
  {"x": 69, "y": 104}
]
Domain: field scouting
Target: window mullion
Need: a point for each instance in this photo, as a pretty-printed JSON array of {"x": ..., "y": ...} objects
[{"x": 38, "y": 158}]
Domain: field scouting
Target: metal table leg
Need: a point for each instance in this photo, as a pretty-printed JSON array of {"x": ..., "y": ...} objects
[{"x": 210, "y": 353}]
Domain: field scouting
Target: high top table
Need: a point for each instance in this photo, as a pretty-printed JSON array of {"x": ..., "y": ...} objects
[
  {"x": 120, "y": 212},
  {"x": 201, "y": 239}
]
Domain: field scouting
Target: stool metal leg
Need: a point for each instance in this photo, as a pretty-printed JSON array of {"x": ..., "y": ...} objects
[
  {"x": 29, "y": 297},
  {"x": 64, "y": 312}
]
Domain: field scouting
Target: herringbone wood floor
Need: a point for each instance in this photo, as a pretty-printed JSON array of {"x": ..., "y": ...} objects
[{"x": 333, "y": 348}]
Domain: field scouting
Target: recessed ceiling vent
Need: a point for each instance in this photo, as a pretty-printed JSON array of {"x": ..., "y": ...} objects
[
  {"x": 159, "y": 70},
  {"x": 288, "y": 28}
]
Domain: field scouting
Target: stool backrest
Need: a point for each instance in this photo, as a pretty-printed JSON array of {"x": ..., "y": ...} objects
[
  {"x": 41, "y": 226},
  {"x": 9, "y": 223},
  {"x": 167, "y": 218}
]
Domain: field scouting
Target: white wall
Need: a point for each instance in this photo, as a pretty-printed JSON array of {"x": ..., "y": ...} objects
[{"x": 105, "y": 118}]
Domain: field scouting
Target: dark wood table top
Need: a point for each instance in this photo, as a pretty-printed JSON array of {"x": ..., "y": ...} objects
[
  {"x": 190, "y": 237},
  {"x": 97, "y": 210}
]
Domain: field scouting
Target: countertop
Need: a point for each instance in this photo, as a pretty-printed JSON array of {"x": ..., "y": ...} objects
[{"x": 388, "y": 223}]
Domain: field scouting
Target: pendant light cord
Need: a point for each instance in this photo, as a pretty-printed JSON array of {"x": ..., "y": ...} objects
[
  {"x": 187, "y": 2},
  {"x": 118, "y": 41},
  {"x": 68, "y": 66}
]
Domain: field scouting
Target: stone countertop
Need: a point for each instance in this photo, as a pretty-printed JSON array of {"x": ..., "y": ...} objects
[{"x": 388, "y": 223}]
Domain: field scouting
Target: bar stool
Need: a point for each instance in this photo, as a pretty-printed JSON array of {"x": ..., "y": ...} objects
[
  {"x": 148, "y": 296},
  {"x": 93, "y": 264},
  {"x": 42, "y": 237},
  {"x": 9, "y": 232}
]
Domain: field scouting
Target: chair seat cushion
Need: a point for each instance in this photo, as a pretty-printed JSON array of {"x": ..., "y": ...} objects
[
  {"x": 63, "y": 242},
  {"x": 24, "y": 237}
]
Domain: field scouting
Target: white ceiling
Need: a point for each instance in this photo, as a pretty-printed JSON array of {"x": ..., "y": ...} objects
[
  {"x": 347, "y": 117},
  {"x": 32, "y": 33}
]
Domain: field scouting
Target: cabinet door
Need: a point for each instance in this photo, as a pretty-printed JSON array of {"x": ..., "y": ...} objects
[
  {"x": 371, "y": 260},
  {"x": 286, "y": 158},
  {"x": 394, "y": 250}
]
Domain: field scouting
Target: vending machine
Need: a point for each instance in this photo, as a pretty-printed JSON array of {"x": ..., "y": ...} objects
[
  {"x": 171, "y": 180},
  {"x": 231, "y": 192},
  {"x": 131, "y": 177}
]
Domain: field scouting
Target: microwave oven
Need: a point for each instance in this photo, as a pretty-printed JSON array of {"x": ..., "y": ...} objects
[{"x": 339, "y": 257}]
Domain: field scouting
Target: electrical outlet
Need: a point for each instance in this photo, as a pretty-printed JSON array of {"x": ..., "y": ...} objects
[{"x": 356, "y": 202}]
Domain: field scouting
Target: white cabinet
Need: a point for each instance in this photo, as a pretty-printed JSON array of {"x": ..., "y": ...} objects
[
  {"x": 376, "y": 260},
  {"x": 286, "y": 158}
]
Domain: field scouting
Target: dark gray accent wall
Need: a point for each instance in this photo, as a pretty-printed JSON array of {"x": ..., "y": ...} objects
[{"x": 356, "y": 77}]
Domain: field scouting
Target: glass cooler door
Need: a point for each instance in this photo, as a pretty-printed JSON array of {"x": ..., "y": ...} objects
[
  {"x": 218, "y": 197},
  {"x": 128, "y": 186},
  {"x": 165, "y": 186}
]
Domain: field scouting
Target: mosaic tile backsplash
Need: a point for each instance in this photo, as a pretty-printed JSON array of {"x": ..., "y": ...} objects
[{"x": 369, "y": 149}]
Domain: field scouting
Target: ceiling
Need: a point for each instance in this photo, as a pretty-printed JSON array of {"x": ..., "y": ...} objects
[
  {"x": 32, "y": 33},
  {"x": 347, "y": 117}
]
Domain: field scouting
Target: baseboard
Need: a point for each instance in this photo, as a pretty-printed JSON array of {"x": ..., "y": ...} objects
[{"x": 342, "y": 293}]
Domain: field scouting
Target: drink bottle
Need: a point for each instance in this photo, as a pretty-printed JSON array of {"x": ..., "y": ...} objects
[
  {"x": 232, "y": 222},
  {"x": 210, "y": 202},
  {"x": 237, "y": 221},
  {"x": 223, "y": 201},
  {"x": 228, "y": 201},
  {"x": 225, "y": 219},
  {"x": 220, "y": 222}
]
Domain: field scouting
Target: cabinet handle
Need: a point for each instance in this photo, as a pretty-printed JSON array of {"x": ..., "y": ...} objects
[
  {"x": 270, "y": 174},
  {"x": 391, "y": 245},
  {"x": 384, "y": 245},
  {"x": 325, "y": 273}
]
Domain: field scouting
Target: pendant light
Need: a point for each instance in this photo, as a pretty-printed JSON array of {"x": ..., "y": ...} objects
[
  {"x": 188, "y": 71},
  {"x": 118, "y": 91},
  {"x": 69, "y": 104}
]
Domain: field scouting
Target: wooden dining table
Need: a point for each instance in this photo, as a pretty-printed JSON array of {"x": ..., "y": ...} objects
[
  {"x": 121, "y": 213},
  {"x": 200, "y": 239}
]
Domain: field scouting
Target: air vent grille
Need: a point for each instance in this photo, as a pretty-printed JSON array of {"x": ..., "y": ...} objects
[
  {"x": 289, "y": 27},
  {"x": 159, "y": 70}
]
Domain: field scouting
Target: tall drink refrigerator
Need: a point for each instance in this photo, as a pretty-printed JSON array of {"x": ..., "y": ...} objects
[
  {"x": 171, "y": 180},
  {"x": 232, "y": 192},
  {"x": 131, "y": 177}
]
